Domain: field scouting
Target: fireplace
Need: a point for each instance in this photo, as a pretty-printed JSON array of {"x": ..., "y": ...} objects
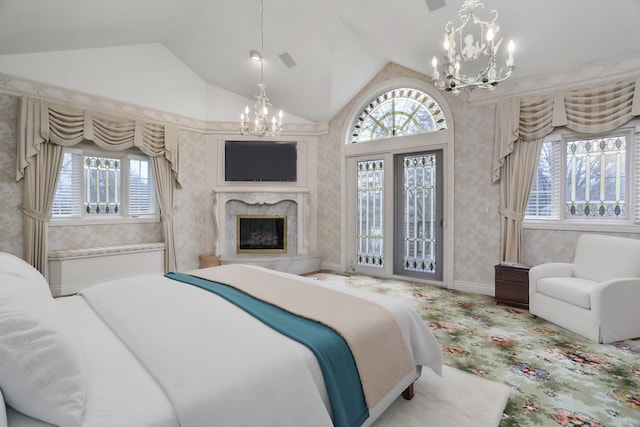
[
  {"x": 298, "y": 229},
  {"x": 261, "y": 233}
]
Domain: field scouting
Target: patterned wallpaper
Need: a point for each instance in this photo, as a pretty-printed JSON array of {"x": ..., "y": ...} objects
[
  {"x": 190, "y": 208},
  {"x": 10, "y": 190}
]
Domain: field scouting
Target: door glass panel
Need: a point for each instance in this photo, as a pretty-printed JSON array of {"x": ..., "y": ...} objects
[
  {"x": 370, "y": 213},
  {"x": 419, "y": 214}
]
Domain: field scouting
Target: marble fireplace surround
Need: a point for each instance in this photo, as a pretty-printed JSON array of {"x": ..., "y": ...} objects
[{"x": 294, "y": 204}]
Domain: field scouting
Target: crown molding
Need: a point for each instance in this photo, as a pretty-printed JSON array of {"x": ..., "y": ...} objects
[
  {"x": 17, "y": 86},
  {"x": 619, "y": 68},
  {"x": 290, "y": 129}
]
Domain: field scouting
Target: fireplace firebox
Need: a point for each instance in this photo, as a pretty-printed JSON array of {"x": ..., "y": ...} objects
[{"x": 261, "y": 233}]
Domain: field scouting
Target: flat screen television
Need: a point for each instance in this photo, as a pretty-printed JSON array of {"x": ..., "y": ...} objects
[{"x": 260, "y": 161}]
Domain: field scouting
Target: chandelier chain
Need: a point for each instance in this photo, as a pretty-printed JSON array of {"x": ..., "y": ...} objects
[{"x": 261, "y": 126}]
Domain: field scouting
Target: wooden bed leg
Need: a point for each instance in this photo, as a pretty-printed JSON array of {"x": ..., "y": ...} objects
[{"x": 408, "y": 392}]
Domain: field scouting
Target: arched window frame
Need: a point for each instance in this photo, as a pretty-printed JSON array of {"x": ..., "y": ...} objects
[{"x": 399, "y": 111}]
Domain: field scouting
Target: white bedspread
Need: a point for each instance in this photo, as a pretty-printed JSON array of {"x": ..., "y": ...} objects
[{"x": 218, "y": 365}]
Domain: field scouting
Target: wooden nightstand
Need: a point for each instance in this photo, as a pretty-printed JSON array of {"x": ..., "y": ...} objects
[{"x": 512, "y": 285}]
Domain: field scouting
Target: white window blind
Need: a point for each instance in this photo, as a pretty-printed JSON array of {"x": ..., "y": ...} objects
[
  {"x": 68, "y": 201},
  {"x": 635, "y": 199},
  {"x": 142, "y": 193}
]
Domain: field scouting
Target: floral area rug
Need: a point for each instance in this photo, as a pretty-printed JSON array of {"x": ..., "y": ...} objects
[{"x": 557, "y": 377}]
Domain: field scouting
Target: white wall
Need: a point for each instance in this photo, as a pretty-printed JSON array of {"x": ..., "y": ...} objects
[{"x": 146, "y": 75}]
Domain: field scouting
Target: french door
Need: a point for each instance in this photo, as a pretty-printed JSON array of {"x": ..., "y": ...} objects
[{"x": 395, "y": 214}]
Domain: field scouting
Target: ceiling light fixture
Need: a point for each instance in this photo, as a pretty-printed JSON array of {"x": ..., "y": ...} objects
[
  {"x": 260, "y": 126},
  {"x": 477, "y": 50},
  {"x": 255, "y": 55}
]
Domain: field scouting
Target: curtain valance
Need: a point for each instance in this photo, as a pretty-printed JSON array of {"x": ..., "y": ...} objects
[
  {"x": 40, "y": 122},
  {"x": 44, "y": 129},
  {"x": 586, "y": 110},
  {"x": 522, "y": 124}
]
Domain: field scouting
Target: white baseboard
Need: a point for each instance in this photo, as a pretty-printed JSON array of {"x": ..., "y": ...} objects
[
  {"x": 330, "y": 266},
  {"x": 476, "y": 288}
]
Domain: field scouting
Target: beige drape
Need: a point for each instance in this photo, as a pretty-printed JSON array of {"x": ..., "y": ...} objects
[
  {"x": 44, "y": 128},
  {"x": 514, "y": 195},
  {"x": 586, "y": 110},
  {"x": 164, "y": 185}
]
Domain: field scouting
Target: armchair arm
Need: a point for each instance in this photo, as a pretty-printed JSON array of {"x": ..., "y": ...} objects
[
  {"x": 550, "y": 269},
  {"x": 615, "y": 302}
]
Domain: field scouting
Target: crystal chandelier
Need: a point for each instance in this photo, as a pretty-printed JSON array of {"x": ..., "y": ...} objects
[
  {"x": 260, "y": 126},
  {"x": 475, "y": 49}
]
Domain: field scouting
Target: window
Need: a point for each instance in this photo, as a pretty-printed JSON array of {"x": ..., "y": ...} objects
[
  {"x": 99, "y": 186},
  {"x": 370, "y": 213},
  {"x": 398, "y": 112},
  {"x": 586, "y": 179}
]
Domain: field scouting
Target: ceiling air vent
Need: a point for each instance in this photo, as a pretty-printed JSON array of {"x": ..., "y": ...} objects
[
  {"x": 287, "y": 59},
  {"x": 435, "y": 4}
]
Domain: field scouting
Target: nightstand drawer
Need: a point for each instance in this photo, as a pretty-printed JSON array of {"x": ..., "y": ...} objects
[
  {"x": 511, "y": 274},
  {"x": 512, "y": 292},
  {"x": 512, "y": 285}
]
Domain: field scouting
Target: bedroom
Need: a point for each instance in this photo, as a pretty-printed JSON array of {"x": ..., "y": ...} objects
[{"x": 155, "y": 83}]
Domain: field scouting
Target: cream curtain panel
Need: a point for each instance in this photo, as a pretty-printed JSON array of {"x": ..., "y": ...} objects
[
  {"x": 526, "y": 121},
  {"x": 44, "y": 128}
]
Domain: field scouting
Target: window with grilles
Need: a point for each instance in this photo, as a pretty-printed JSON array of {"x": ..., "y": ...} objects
[
  {"x": 419, "y": 214},
  {"x": 95, "y": 186},
  {"x": 586, "y": 179},
  {"x": 370, "y": 213}
]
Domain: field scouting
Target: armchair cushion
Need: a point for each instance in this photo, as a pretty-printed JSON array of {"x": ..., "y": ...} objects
[
  {"x": 601, "y": 258},
  {"x": 571, "y": 290}
]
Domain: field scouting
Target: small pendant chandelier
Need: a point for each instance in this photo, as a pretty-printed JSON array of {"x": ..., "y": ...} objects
[
  {"x": 260, "y": 126},
  {"x": 462, "y": 47}
]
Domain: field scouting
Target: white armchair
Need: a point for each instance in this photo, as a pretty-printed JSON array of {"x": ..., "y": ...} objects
[{"x": 598, "y": 295}]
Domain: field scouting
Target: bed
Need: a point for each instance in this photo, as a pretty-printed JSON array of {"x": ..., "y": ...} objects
[{"x": 177, "y": 350}]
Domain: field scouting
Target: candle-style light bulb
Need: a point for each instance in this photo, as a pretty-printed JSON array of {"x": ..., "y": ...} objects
[
  {"x": 489, "y": 35},
  {"x": 436, "y": 73},
  {"x": 510, "y": 48}
]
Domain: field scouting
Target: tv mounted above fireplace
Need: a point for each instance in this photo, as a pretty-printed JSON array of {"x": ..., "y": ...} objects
[{"x": 258, "y": 161}]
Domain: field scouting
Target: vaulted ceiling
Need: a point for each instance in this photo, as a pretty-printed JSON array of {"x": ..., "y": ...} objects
[{"x": 337, "y": 45}]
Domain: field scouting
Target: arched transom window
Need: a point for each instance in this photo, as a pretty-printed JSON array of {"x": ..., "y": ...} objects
[{"x": 398, "y": 112}]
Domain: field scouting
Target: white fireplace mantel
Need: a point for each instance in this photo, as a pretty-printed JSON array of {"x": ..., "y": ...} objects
[{"x": 220, "y": 222}]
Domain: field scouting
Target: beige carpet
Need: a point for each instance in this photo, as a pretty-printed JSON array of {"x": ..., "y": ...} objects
[{"x": 456, "y": 399}]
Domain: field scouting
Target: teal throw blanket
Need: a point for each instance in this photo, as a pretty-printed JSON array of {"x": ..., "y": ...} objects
[{"x": 331, "y": 350}]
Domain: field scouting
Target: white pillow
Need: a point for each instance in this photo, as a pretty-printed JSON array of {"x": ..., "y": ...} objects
[
  {"x": 41, "y": 365},
  {"x": 11, "y": 264},
  {"x": 3, "y": 412}
]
